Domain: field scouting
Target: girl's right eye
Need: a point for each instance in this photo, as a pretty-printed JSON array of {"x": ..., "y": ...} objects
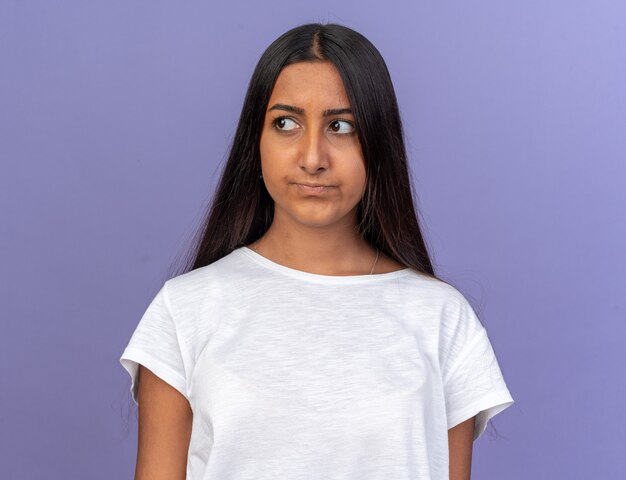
[{"x": 280, "y": 123}]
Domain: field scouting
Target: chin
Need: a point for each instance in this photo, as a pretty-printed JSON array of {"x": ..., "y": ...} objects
[{"x": 318, "y": 218}]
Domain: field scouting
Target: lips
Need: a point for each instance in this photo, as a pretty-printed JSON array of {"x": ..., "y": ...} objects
[{"x": 313, "y": 188}]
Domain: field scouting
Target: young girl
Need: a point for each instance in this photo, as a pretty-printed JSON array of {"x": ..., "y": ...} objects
[{"x": 309, "y": 337}]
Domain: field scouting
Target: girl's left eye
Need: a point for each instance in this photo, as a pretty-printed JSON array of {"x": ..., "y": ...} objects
[{"x": 336, "y": 124}]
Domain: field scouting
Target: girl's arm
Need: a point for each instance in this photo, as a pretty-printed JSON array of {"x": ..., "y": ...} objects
[
  {"x": 460, "y": 442},
  {"x": 165, "y": 420}
]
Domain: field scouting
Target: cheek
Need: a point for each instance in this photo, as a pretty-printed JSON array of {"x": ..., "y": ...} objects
[
  {"x": 273, "y": 168},
  {"x": 357, "y": 175},
  {"x": 272, "y": 151}
]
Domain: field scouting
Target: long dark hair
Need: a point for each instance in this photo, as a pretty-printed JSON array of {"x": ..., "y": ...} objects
[{"x": 242, "y": 210}]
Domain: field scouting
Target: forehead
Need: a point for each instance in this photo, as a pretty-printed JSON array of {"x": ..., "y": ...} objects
[{"x": 313, "y": 83}]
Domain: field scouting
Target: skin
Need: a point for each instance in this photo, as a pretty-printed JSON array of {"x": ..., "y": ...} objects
[
  {"x": 312, "y": 233},
  {"x": 460, "y": 442},
  {"x": 165, "y": 420}
]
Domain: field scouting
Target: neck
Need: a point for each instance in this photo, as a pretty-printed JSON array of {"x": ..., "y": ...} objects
[{"x": 336, "y": 249}]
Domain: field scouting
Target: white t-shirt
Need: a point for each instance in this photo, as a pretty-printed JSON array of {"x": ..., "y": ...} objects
[{"x": 295, "y": 375}]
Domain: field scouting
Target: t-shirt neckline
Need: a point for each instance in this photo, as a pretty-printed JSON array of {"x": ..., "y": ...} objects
[{"x": 319, "y": 278}]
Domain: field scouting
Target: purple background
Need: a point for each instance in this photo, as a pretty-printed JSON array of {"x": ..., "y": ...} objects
[{"x": 115, "y": 117}]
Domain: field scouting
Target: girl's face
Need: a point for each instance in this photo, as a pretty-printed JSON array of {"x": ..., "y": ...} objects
[{"x": 309, "y": 137}]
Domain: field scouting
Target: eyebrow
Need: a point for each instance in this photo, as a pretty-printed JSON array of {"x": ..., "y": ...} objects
[{"x": 300, "y": 111}]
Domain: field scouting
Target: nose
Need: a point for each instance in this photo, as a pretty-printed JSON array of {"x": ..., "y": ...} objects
[{"x": 314, "y": 154}]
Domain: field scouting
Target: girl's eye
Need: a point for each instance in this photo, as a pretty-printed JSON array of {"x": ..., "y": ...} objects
[
  {"x": 341, "y": 127},
  {"x": 280, "y": 122},
  {"x": 335, "y": 126}
]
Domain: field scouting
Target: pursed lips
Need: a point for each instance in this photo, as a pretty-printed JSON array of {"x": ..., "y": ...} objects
[{"x": 313, "y": 187}]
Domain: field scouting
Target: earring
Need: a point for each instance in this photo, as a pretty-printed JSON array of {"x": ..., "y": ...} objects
[{"x": 261, "y": 176}]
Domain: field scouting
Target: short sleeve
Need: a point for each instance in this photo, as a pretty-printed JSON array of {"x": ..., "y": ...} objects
[
  {"x": 155, "y": 345},
  {"x": 472, "y": 379}
]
